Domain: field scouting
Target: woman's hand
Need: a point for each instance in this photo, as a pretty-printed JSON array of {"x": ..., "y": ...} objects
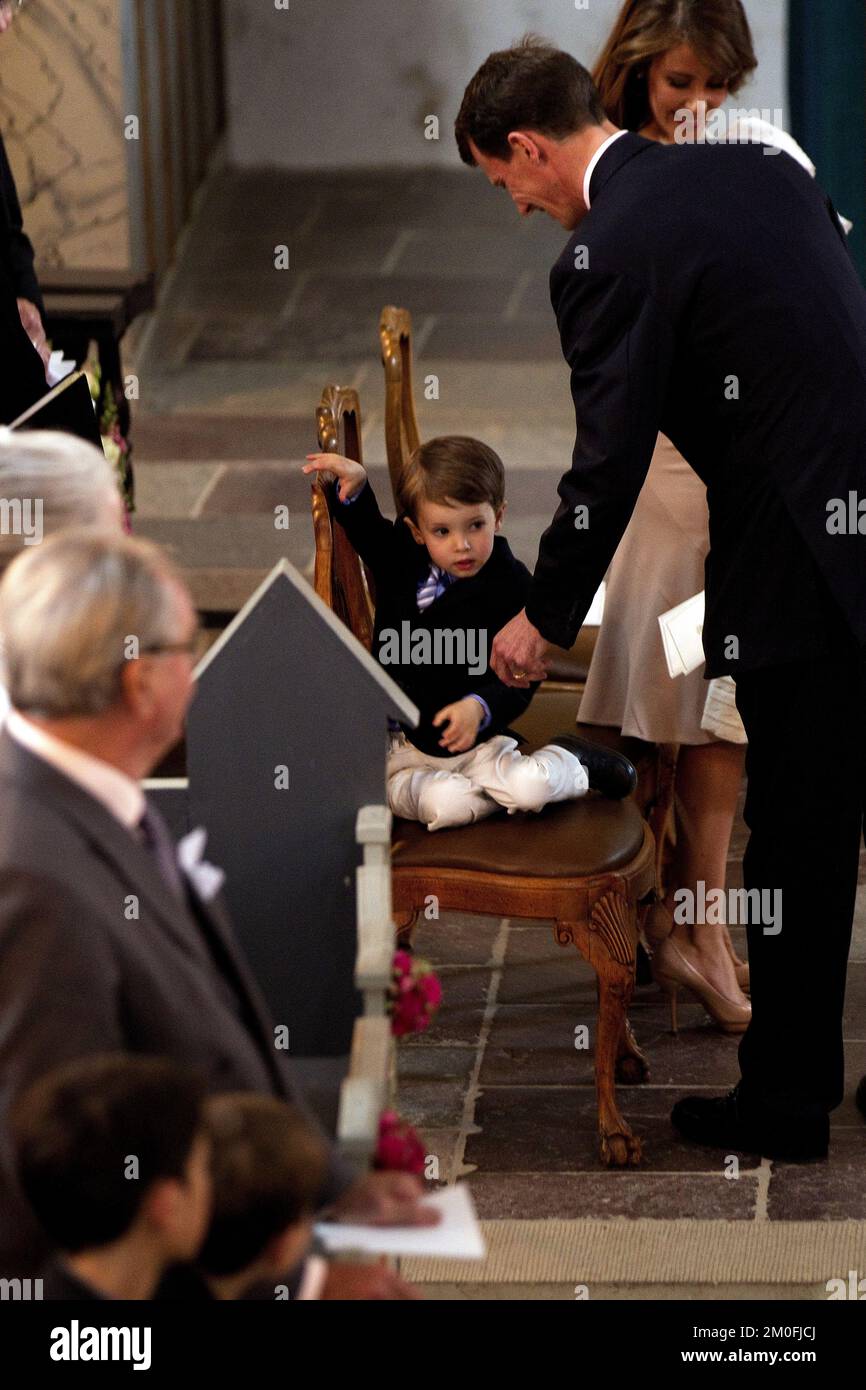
[
  {"x": 462, "y": 720},
  {"x": 351, "y": 475}
]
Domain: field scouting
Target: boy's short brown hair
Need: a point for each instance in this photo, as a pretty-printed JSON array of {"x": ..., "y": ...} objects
[
  {"x": 77, "y": 1126},
  {"x": 268, "y": 1166},
  {"x": 452, "y": 468}
]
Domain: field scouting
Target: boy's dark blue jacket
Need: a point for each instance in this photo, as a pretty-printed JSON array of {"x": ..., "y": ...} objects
[{"x": 486, "y": 600}]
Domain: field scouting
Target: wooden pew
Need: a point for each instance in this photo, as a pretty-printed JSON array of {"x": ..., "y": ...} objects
[{"x": 285, "y": 769}]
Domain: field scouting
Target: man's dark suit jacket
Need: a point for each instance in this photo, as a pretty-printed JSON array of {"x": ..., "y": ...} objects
[
  {"x": 80, "y": 973},
  {"x": 485, "y": 601},
  {"x": 708, "y": 293}
]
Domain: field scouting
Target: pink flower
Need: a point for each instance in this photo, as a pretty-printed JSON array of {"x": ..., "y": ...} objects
[
  {"x": 399, "y": 1149},
  {"x": 414, "y": 996}
]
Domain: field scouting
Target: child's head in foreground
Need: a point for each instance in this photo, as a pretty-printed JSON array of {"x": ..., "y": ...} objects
[
  {"x": 268, "y": 1168},
  {"x": 452, "y": 496},
  {"x": 113, "y": 1154}
]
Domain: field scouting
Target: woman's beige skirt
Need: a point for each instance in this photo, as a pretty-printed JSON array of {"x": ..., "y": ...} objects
[{"x": 659, "y": 563}]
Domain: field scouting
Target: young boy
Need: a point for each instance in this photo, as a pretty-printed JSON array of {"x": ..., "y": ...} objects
[
  {"x": 446, "y": 582},
  {"x": 268, "y": 1166},
  {"x": 113, "y": 1156}
]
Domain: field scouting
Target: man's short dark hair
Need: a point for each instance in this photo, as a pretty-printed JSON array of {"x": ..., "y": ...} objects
[
  {"x": 268, "y": 1165},
  {"x": 532, "y": 86},
  {"x": 77, "y": 1130}
]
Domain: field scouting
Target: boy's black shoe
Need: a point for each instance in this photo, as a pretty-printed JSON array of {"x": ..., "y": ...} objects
[
  {"x": 719, "y": 1124},
  {"x": 609, "y": 773}
]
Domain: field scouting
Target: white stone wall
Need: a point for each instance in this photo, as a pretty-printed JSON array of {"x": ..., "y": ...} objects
[
  {"x": 61, "y": 113},
  {"x": 347, "y": 83}
]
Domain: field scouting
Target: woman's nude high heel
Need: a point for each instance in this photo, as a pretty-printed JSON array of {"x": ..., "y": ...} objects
[
  {"x": 672, "y": 970},
  {"x": 741, "y": 967}
]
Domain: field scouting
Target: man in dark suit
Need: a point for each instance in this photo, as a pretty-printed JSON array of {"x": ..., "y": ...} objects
[
  {"x": 707, "y": 292},
  {"x": 105, "y": 945}
]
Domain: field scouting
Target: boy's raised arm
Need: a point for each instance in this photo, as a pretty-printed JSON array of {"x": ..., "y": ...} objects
[{"x": 357, "y": 511}]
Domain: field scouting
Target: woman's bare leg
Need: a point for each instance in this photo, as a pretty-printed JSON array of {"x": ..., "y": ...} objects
[{"x": 708, "y": 781}]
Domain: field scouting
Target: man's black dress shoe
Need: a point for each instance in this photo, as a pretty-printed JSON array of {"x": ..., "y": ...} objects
[
  {"x": 861, "y": 1097},
  {"x": 719, "y": 1124},
  {"x": 609, "y": 773}
]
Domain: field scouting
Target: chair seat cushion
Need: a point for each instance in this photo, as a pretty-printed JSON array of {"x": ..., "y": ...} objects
[
  {"x": 573, "y": 666},
  {"x": 571, "y": 839}
]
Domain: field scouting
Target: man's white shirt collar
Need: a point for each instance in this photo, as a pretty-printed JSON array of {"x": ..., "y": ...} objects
[
  {"x": 119, "y": 794},
  {"x": 590, "y": 168}
]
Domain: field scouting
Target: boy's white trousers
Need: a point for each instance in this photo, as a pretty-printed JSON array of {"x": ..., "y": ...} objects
[{"x": 449, "y": 791}]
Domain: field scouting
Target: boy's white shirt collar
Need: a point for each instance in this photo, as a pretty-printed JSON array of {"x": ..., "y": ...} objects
[{"x": 120, "y": 795}]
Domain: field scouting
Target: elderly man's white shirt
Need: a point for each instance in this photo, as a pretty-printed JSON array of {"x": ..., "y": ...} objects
[{"x": 119, "y": 794}]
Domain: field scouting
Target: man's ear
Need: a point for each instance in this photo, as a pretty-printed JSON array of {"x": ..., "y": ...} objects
[
  {"x": 135, "y": 692},
  {"x": 525, "y": 146}
]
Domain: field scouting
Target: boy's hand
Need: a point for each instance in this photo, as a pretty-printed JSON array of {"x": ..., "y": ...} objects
[
  {"x": 461, "y": 721},
  {"x": 351, "y": 475}
]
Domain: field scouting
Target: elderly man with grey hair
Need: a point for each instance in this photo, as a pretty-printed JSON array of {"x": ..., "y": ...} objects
[
  {"x": 105, "y": 945},
  {"x": 50, "y": 481}
]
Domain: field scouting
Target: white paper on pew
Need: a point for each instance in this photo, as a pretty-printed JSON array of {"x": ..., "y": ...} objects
[
  {"x": 682, "y": 629},
  {"x": 458, "y": 1234},
  {"x": 59, "y": 367},
  {"x": 596, "y": 609}
]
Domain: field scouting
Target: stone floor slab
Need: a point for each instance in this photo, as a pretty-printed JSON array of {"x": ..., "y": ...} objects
[
  {"x": 534, "y": 1129},
  {"x": 528, "y": 1196},
  {"x": 831, "y": 1190},
  {"x": 224, "y": 437},
  {"x": 166, "y": 491},
  {"x": 228, "y": 542},
  {"x": 457, "y": 939}
]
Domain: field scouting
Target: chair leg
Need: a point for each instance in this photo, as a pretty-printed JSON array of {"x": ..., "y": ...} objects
[
  {"x": 613, "y": 938},
  {"x": 632, "y": 1067},
  {"x": 404, "y": 923},
  {"x": 619, "y": 1147}
]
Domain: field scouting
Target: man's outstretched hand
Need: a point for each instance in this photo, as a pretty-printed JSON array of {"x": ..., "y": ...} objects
[{"x": 519, "y": 653}]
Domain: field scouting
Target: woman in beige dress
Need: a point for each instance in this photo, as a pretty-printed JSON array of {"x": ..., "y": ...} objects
[{"x": 664, "y": 56}]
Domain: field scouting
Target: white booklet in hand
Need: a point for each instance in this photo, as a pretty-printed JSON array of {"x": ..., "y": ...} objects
[
  {"x": 682, "y": 629},
  {"x": 457, "y": 1235}
]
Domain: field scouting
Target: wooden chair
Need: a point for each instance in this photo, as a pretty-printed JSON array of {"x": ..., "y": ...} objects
[
  {"x": 556, "y": 703},
  {"x": 567, "y": 670},
  {"x": 584, "y": 864}
]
